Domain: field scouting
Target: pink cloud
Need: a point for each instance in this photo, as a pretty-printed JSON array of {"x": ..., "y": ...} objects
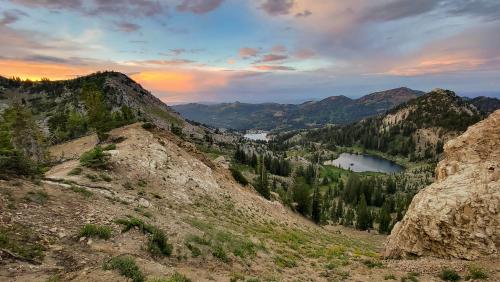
[
  {"x": 272, "y": 58},
  {"x": 271, "y": 68},
  {"x": 246, "y": 52},
  {"x": 304, "y": 54}
]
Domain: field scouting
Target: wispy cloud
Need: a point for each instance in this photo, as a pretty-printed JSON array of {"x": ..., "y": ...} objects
[
  {"x": 271, "y": 58},
  {"x": 277, "y": 7},
  {"x": 198, "y": 6},
  {"x": 273, "y": 68},
  {"x": 246, "y": 52},
  {"x": 127, "y": 26}
]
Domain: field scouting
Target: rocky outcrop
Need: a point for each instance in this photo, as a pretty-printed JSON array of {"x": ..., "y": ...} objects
[{"x": 458, "y": 215}]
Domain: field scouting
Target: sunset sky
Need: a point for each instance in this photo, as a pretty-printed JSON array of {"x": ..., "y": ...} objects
[{"x": 258, "y": 50}]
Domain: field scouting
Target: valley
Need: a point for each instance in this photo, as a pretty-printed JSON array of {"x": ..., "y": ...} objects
[{"x": 130, "y": 192}]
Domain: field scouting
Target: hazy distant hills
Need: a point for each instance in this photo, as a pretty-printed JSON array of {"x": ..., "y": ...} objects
[
  {"x": 334, "y": 109},
  {"x": 486, "y": 104}
]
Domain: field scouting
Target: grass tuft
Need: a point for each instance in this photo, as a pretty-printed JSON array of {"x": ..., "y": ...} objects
[
  {"x": 449, "y": 275},
  {"x": 126, "y": 266},
  {"x": 95, "y": 231},
  {"x": 39, "y": 197}
]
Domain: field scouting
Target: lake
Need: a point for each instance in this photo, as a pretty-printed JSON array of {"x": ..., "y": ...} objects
[
  {"x": 360, "y": 163},
  {"x": 257, "y": 136}
]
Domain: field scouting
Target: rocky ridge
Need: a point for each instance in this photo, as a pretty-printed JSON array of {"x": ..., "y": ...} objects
[{"x": 457, "y": 216}]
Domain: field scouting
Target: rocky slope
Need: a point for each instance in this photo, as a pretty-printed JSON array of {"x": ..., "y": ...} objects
[
  {"x": 458, "y": 215},
  {"x": 334, "y": 109},
  {"x": 219, "y": 230}
]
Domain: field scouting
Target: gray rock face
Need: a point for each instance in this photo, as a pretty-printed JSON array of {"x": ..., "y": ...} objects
[{"x": 458, "y": 215}]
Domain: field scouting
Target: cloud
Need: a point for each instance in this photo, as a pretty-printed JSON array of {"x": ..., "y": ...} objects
[
  {"x": 127, "y": 26},
  {"x": 278, "y": 49},
  {"x": 305, "y": 13},
  {"x": 277, "y": 7},
  {"x": 273, "y": 68},
  {"x": 179, "y": 51},
  {"x": 246, "y": 52},
  {"x": 272, "y": 58},
  {"x": 176, "y": 62},
  {"x": 51, "y": 4},
  {"x": 304, "y": 54},
  {"x": 487, "y": 9},
  {"x": 399, "y": 9},
  {"x": 198, "y": 6},
  {"x": 11, "y": 16},
  {"x": 136, "y": 8}
]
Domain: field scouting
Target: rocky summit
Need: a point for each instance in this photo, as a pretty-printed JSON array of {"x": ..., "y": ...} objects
[{"x": 457, "y": 216}]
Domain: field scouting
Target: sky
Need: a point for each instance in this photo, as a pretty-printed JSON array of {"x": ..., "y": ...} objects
[{"x": 284, "y": 51}]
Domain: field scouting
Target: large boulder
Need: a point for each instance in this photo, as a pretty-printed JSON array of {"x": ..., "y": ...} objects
[{"x": 458, "y": 215}]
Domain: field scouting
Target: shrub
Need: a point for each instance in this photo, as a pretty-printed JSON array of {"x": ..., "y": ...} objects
[
  {"x": 86, "y": 193},
  {"x": 148, "y": 125},
  {"x": 449, "y": 275},
  {"x": 95, "y": 158},
  {"x": 92, "y": 177},
  {"x": 39, "y": 197},
  {"x": 22, "y": 242},
  {"x": 410, "y": 277},
  {"x": 109, "y": 147},
  {"x": 372, "y": 263},
  {"x": 390, "y": 277},
  {"x": 105, "y": 177},
  {"x": 126, "y": 266},
  {"x": 238, "y": 176},
  {"x": 219, "y": 252},
  {"x": 195, "y": 251},
  {"x": 176, "y": 277},
  {"x": 284, "y": 261},
  {"x": 177, "y": 130},
  {"x": 75, "y": 171},
  {"x": 158, "y": 244},
  {"x": 95, "y": 231},
  {"x": 476, "y": 272},
  {"x": 132, "y": 222}
]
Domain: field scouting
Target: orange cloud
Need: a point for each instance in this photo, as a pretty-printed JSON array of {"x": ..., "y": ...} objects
[
  {"x": 438, "y": 65},
  {"x": 180, "y": 81},
  {"x": 37, "y": 70}
]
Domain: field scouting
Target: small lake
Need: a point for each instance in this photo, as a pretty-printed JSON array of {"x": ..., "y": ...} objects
[
  {"x": 262, "y": 136},
  {"x": 361, "y": 163}
]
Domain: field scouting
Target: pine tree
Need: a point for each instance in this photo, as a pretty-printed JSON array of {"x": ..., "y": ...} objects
[
  {"x": 384, "y": 219},
  {"x": 97, "y": 112},
  {"x": 22, "y": 144},
  {"x": 339, "y": 212},
  {"x": 262, "y": 180},
  {"x": 362, "y": 215},
  {"x": 348, "y": 218},
  {"x": 316, "y": 206},
  {"x": 333, "y": 212}
]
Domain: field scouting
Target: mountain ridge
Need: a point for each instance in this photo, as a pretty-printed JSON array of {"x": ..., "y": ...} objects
[{"x": 333, "y": 109}]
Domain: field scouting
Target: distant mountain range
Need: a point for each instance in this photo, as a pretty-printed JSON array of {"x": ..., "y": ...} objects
[
  {"x": 267, "y": 116},
  {"x": 486, "y": 105},
  {"x": 416, "y": 129}
]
